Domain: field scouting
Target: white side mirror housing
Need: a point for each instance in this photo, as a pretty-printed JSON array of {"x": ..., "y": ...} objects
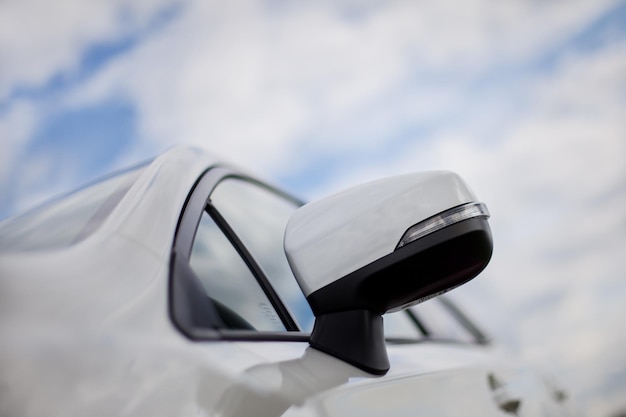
[{"x": 380, "y": 247}]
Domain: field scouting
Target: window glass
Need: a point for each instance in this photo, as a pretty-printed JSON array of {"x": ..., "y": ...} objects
[
  {"x": 440, "y": 323},
  {"x": 67, "y": 220},
  {"x": 399, "y": 325},
  {"x": 226, "y": 278},
  {"x": 258, "y": 216}
]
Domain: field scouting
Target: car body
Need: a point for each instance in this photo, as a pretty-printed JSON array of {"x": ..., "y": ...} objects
[{"x": 96, "y": 314}]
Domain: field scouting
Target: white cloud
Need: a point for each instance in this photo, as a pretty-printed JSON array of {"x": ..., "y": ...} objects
[
  {"x": 248, "y": 81},
  {"x": 15, "y": 128},
  {"x": 16, "y": 125},
  {"x": 40, "y": 39}
]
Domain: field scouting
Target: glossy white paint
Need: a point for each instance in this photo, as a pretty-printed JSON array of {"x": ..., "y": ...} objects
[
  {"x": 330, "y": 238},
  {"x": 150, "y": 211},
  {"x": 85, "y": 331}
]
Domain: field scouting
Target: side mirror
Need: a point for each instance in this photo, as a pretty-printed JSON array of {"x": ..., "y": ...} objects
[{"x": 381, "y": 247}]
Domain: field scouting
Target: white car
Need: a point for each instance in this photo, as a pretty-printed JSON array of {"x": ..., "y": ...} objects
[{"x": 184, "y": 287}]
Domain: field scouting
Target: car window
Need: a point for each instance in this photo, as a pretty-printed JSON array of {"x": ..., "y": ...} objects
[
  {"x": 228, "y": 281},
  {"x": 439, "y": 323},
  {"x": 258, "y": 216},
  {"x": 67, "y": 220},
  {"x": 400, "y": 326}
]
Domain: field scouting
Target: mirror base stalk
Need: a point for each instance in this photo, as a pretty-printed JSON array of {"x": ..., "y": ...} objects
[{"x": 354, "y": 336}]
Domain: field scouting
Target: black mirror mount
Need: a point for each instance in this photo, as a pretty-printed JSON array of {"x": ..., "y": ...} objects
[{"x": 354, "y": 336}]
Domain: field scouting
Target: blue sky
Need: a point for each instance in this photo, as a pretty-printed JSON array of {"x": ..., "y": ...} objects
[{"x": 525, "y": 99}]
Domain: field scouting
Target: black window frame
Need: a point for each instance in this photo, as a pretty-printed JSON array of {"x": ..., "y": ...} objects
[{"x": 194, "y": 315}]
